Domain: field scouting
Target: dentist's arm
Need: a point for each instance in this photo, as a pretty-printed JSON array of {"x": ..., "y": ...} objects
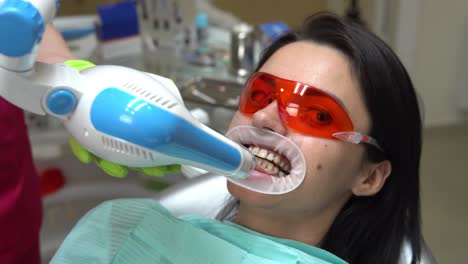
[{"x": 53, "y": 47}]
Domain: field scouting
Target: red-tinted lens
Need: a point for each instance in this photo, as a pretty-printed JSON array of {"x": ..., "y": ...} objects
[{"x": 303, "y": 108}]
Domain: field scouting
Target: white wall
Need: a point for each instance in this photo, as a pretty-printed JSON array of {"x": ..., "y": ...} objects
[
  {"x": 431, "y": 39},
  {"x": 440, "y": 58}
]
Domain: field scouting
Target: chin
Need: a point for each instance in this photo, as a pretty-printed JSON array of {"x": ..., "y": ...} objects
[{"x": 247, "y": 196}]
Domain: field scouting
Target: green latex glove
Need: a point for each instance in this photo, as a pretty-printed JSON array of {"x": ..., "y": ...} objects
[
  {"x": 108, "y": 167},
  {"x": 115, "y": 169}
]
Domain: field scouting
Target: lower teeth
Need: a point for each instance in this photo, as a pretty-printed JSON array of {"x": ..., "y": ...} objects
[{"x": 273, "y": 170}]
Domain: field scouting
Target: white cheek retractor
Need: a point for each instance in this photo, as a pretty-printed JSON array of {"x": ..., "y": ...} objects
[{"x": 261, "y": 182}]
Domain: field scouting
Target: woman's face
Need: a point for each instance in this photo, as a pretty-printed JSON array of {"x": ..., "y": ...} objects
[{"x": 333, "y": 166}]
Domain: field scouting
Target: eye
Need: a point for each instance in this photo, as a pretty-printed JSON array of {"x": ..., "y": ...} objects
[
  {"x": 260, "y": 99},
  {"x": 316, "y": 117},
  {"x": 262, "y": 92},
  {"x": 323, "y": 117},
  {"x": 258, "y": 96}
]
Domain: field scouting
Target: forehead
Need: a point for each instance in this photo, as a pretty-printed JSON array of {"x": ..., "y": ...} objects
[{"x": 323, "y": 67}]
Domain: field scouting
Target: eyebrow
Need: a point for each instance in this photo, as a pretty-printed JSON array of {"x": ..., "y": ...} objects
[
  {"x": 338, "y": 100},
  {"x": 332, "y": 95}
]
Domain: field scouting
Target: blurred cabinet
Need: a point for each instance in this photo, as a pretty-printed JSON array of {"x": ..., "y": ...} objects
[
  {"x": 258, "y": 11},
  {"x": 261, "y": 11}
]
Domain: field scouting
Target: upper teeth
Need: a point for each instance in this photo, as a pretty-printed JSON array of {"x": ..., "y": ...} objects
[{"x": 276, "y": 163}]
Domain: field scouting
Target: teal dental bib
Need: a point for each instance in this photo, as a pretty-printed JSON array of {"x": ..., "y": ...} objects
[{"x": 142, "y": 231}]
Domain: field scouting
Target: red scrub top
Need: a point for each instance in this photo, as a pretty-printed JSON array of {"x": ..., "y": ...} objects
[{"x": 20, "y": 200}]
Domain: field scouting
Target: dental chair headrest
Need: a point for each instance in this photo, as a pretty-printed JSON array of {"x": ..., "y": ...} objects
[{"x": 204, "y": 195}]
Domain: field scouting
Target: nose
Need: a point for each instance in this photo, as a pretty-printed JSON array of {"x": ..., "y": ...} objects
[{"x": 269, "y": 118}]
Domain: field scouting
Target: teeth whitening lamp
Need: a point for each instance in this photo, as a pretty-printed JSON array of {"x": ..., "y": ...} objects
[{"x": 119, "y": 114}]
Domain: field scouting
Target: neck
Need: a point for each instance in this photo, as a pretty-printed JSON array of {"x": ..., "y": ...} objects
[{"x": 308, "y": 228}]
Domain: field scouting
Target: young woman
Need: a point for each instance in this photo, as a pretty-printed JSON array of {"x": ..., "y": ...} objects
[{"x": 360, "y": 202}]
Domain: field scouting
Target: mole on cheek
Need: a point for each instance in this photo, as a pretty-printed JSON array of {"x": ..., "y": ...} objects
[{"x": 319, "y": 167}]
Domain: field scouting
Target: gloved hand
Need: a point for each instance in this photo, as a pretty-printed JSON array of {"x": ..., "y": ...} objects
[
  {"x": 109, "y": 167},
  {"x": 115, "y": 169}
]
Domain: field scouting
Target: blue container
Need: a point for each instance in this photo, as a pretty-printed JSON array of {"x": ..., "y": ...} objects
[{"x": 118, "y": 20}]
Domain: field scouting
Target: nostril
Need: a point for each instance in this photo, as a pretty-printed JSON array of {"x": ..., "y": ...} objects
[{"x": 267, "y": 128}]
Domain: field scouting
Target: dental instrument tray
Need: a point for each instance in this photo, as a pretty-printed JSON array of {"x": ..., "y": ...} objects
[{"x": 213, "y": 92}]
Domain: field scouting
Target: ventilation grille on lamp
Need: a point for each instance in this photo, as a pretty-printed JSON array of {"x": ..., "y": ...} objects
[
  {"x": 150, "y": 96},
  {"x": 128, "y": 149}
]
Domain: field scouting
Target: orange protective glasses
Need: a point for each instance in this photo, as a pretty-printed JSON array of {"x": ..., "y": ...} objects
[{"x": 302, "y": 108}]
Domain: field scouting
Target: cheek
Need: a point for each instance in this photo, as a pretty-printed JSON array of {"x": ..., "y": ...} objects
[{"x": 330, "y": 164}]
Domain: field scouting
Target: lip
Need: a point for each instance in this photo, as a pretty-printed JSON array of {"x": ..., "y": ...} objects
[
  {"x": 258, "y": 175},
  {"x": 261, "y": 170},
  {"x": 261, "y": 173}
]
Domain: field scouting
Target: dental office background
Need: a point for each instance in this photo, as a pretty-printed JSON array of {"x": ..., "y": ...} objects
[{"x": 430, "y": 36}]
